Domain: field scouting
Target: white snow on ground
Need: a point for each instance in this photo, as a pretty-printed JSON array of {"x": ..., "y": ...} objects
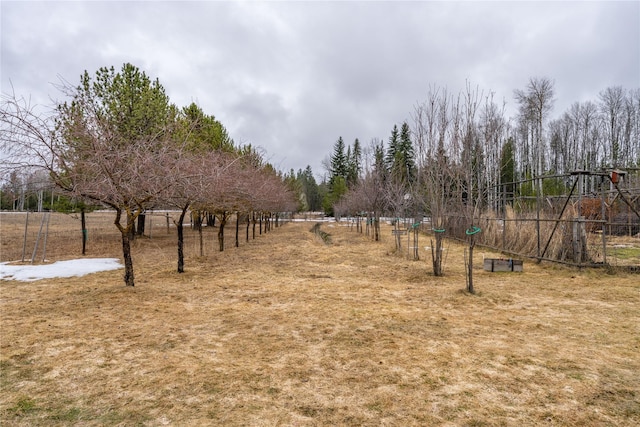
[{"x": 70, "y": 268}]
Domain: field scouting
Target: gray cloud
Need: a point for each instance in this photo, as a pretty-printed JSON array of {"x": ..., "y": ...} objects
[{"x": 294, "y": 76}]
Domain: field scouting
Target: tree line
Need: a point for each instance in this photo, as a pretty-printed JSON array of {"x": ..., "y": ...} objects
[
  {"x": 118, "y": 142},
  {"x": 463, "y": 145}
]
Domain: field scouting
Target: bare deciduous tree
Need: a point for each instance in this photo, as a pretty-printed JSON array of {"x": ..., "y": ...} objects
[{"x": 535, "y": 103}]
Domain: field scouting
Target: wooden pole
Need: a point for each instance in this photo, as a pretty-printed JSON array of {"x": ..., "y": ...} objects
[
  {"x": 577, "y": 226},
  {"x": 470, "y": 269},
  {"x": 504, "y": 216},
  {"x": 24, "y": 242},
  {"x": 35, "y": 247},
  {"x": 604, "y": 227},
  {"x": 538, "y": 218},
  {"x": 558, "y": 220},
  {"x": 471, "y": 233},
  {"x": 46, "y": 235}
]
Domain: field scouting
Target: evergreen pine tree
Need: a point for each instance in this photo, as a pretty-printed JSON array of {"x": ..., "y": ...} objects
[
  {"x": 399, "y": 159},
  {"x": 392, "y": 152},
  {"x": 406, "y": 155},
  {"x": 349, "y": 172},
  {"x": 338, "y": 168},
  {"x": 338, "y": 162},
  {"x": 507, "y": 170},
  {"x": 310, "y": 189},
  {"x": 355, "y": 164}
]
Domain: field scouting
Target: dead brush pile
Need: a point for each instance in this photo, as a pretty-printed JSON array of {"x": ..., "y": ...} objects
[{"x": 323, "y": 235}]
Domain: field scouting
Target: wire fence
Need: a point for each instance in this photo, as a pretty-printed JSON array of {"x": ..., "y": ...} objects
[
  {"x": 39, "y": 236},
  {"x": 598, "y": 227}
]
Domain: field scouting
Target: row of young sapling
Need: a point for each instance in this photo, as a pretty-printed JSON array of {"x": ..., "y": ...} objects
[{"x": 412, "y": 228}]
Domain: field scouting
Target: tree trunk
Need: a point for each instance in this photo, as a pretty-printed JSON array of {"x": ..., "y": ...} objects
[
  {"x": 368, "y": 224},
  {"x": 254, "y": 225},
  {"x": 131, "y": 227},
  {"x": 83, "y": 223},
  {"x": 436, "y": 255},
  {"x": 200, "y": 237},
  {"x": 439, "y": 254},
  {"x": 128, "y": 262},
  {"x": 237, "y": 229},
  {"x": 180, "y": 228},
  {"x": 126, "y": 245},
  {"x": 223, "y": 221},
  {"x": 470, "y": 269},
  {"x": 248, "y": 224}
]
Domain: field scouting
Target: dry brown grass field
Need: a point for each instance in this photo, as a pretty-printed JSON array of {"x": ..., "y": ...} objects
[{"x": 289, "y": 331}]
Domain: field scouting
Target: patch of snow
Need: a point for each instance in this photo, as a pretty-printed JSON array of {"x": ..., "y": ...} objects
[{"x": 70, "y": 268}]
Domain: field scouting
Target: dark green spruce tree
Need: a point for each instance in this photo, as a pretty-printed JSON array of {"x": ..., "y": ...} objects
[
  {"x": 338, "y": 169},
  {"x": 391, "y": 159},
  {"x": 338, "y": 166},
  {"x": 507, "y": 172},
  {"x": 406, "y": 157},
  {"x": 309, "y": 189},
  {"x": 354, "y": 163},
  {"x": 400, "y": 155}
]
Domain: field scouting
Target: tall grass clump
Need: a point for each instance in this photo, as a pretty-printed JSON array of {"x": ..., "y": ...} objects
[{"x": 517, "y": 232}]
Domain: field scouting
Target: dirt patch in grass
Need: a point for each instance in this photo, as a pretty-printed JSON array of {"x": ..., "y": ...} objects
[{"x": 287, "y": 330}]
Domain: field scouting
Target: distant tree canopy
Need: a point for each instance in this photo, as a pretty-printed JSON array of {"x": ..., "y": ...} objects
[
  {"x": 345, "y": 167},
  {"x": 308, "y": 190}
]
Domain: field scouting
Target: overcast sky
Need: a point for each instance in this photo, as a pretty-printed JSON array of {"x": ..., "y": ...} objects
[{"x": 291, "y": 77}]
